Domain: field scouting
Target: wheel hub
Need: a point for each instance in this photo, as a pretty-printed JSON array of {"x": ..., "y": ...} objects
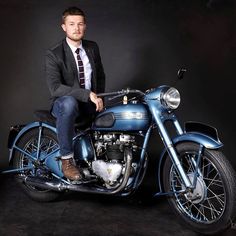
[{"x": 198, "y": 194}]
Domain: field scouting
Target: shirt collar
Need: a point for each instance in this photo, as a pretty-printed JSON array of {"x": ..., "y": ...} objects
[{"x": 73, "y": 48}]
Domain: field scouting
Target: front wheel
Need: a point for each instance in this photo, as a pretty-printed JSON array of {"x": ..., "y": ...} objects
[{"x": 211, "y": 207}]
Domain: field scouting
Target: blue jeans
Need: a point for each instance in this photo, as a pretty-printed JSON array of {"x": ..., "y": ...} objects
[{"x": 66, "y": 109}]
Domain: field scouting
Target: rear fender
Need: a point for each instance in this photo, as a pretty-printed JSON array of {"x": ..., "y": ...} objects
[
  {"x": 16, "y": 134},
  {"x": 14, "y": 130}
]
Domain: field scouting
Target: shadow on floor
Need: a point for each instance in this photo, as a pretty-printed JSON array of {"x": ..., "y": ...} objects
[{"x": 87, "y": 214}]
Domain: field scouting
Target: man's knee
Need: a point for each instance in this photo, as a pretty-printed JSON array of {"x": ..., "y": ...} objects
[{"x": 68, "y": 106}]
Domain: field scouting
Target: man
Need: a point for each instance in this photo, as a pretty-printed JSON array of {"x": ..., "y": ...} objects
[{"x": 75, "y": 75}]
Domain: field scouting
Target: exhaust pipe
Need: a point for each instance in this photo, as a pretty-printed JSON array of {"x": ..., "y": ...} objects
[
  {"x": 57, "y": 185},
  {"x": 44, "y": 183}
]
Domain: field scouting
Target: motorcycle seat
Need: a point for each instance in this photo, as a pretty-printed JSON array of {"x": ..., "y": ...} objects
[{"x": 46, "y": 117}]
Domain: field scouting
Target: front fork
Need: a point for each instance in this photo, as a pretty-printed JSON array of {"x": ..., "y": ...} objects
[{"x": 172, "y": 152}]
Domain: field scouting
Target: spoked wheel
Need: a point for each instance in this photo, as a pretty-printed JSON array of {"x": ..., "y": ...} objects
[
  {"x": 210, "y": 207},
  {"x": 29, "y": 144}
]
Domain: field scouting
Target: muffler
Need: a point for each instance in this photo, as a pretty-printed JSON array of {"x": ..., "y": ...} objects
[{"x": 44, "y": 183}]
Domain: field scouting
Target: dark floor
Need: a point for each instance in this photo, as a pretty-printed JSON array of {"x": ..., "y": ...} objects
[{"x": 84, "y": 214}]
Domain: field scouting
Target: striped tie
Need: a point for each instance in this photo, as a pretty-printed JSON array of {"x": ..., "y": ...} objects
[{"x": 81, "y": 69}]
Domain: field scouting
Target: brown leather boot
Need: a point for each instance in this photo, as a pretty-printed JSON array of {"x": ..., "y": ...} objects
[{"x": 69, "y": 169}]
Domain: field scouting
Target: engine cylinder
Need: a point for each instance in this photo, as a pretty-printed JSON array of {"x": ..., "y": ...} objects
[{"x": 114, "y": 152}]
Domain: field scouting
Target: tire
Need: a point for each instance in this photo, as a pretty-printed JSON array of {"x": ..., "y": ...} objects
[
  {"x": 214, "y": 208},
  {"x": 28, "y": 142}
]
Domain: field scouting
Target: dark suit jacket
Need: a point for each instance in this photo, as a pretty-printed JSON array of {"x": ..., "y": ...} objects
[{"x": 62, "y": 73}]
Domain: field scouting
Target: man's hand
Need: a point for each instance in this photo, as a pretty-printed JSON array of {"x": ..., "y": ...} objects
[{"x": 97, "y": 101}]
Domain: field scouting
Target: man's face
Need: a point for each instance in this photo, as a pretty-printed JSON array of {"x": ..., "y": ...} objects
[{"x": 74, "y": 27}]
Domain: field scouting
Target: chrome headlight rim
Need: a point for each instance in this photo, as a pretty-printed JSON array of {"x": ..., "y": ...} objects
[{"x": 170, "y": 98}]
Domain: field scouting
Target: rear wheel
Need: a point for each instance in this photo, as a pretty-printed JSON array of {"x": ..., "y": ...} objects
[
  {"x": 29, "y": 144},
  {"x": 211, "y": 207}
]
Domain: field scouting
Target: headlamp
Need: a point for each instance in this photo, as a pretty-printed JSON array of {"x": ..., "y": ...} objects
[{"x": 171, "y": 98}]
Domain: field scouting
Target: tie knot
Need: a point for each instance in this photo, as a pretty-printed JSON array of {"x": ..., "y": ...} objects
[{"x": 77, "y": 51}]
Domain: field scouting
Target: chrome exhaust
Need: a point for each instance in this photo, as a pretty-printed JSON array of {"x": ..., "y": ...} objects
[
  {"x": 44, "y": 183},
  {"x": 57, "y": 185}
]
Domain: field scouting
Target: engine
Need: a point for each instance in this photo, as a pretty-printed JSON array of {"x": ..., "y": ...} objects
[
  {"x": 113, "y": 144},
  {"x": 110, "y": 162}
]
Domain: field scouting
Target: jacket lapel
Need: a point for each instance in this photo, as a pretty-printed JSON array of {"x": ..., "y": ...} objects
[{"x": 70, "y": 59}]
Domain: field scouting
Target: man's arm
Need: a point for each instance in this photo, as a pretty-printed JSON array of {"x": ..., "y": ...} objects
[
  {"x": 54, "y": 81},
  {"x": 100, "y": 71}
]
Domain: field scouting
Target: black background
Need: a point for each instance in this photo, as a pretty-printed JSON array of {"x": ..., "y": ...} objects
[{"x": 142, "y": 43}]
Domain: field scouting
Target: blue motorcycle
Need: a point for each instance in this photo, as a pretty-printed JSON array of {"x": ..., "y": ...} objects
[{"x": 193, "y": 173}]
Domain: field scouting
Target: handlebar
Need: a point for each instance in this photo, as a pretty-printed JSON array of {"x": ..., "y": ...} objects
[{"x": 121, "y": 93}]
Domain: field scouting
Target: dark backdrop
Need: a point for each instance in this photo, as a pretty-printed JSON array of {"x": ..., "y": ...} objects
[{"x": 142, "y": 44}]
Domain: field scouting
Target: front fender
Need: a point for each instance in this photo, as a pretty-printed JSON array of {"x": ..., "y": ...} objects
[
  {"x": 25, "y": 130},
  {"x": 205, "y": 140},
  {"x": 200, "y": 138}
]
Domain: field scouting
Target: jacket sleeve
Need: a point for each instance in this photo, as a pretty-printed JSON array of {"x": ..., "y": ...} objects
[
  {"x": 100, "y": 71},
  {"x": 55, "y": 81}
]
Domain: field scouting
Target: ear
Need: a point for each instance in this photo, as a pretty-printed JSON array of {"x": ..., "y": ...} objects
[{"x": 63, "y": 27}]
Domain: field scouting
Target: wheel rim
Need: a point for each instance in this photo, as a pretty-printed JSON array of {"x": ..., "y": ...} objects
[
  {"x": 206, "y": 203},
  {"x": 47, "y": 146}
]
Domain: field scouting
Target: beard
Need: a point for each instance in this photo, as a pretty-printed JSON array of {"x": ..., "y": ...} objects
[{"x": 75, "y": 37}]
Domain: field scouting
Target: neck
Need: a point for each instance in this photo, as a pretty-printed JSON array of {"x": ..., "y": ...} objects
[{"x": 74, "y": 43}]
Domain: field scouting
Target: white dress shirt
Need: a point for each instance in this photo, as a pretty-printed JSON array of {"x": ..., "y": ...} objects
[{"x": 86, "y": 63}]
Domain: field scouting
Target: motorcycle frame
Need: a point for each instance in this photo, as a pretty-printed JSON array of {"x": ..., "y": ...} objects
[
  {"x": 203, "y": 140},
  {"x": 159, "y": 116}
]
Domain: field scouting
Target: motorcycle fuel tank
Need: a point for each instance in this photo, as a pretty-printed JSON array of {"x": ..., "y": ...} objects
[{"x": 126, "y": 117}]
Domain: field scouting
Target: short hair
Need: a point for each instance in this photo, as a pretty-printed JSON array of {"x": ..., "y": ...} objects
[{"x": 72, "y": 11}]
